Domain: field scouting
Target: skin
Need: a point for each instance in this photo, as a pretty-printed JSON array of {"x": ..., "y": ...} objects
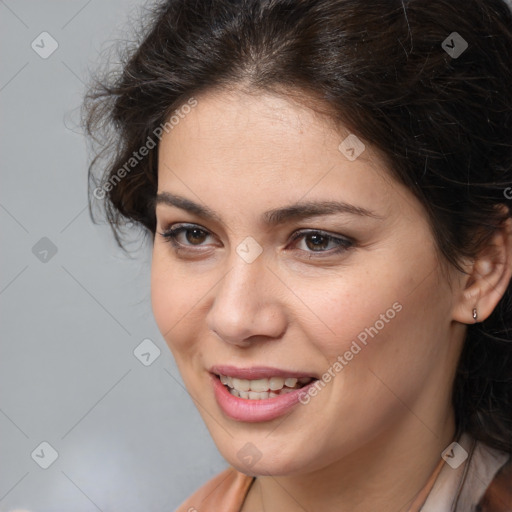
[{"x": 370, "y": 439}]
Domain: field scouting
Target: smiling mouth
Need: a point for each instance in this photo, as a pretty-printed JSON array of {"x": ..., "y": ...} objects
[{"x": 261, "y": 389}]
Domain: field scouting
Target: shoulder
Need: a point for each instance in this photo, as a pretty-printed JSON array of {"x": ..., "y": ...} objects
[
  {"x": 225, "y": 491},
  {"x": 498, "y": 495}
]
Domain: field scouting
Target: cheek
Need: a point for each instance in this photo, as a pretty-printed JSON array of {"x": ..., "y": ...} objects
[
  {"x": 394, "y": 334},
  {"x": 378, "y": 315},
  {"x": 174, "y": 301},
  {"x": 161, "y": 294},
  {"x": 344, "y": 308}
]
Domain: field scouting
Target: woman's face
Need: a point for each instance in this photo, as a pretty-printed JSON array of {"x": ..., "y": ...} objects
[{"x": 352, "y": 296}]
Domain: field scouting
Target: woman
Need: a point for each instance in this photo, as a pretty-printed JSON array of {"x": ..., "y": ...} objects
[{"x": 327, "y": 188}]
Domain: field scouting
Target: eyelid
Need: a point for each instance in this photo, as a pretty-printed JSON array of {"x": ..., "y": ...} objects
[
  {"x": 170, "y": 233},
  {"x": 343, "y": 242},
  {"x": 173, "y": 228},
  {"x": 304, "y": 231}
]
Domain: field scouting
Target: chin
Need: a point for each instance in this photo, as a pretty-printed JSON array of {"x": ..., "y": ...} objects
[{"x": 263, "y": 459}]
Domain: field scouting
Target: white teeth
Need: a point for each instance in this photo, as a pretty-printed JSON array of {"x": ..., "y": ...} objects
[
  {"x": 243, "y": 385},
  {"x": 259, "y": 385},
  {"x": 260, "y": 389},
  {"x": 275, "y": 383},
  {"x": 255, "y": 395},
  {"x": 252, "y": 395}
]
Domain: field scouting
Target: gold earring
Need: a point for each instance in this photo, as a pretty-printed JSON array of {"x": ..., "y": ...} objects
[{"x": 475, "y": 314}]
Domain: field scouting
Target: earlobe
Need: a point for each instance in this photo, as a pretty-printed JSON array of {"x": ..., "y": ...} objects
[
  {"x": 487, "y": 280},
  {"x": 467, "y": 310}
]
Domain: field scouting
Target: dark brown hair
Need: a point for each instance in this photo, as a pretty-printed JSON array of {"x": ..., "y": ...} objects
[{"x": 388, "y": 70}]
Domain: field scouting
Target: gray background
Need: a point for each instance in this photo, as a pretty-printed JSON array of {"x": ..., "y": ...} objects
[{"x": 128, "y": 436}]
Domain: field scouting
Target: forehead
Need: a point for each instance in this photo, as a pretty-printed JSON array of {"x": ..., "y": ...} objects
[
  {"x": 265, "y": 150},
  {"x": 256, "y": 128}
]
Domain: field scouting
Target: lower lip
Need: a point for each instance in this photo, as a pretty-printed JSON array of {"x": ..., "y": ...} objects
[{"x": 242, "y": 409}]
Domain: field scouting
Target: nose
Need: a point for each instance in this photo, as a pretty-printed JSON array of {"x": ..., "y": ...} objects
[{"x": 246, "y": 306}]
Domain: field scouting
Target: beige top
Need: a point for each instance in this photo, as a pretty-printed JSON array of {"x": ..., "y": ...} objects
[{"x": 478, "y": 482}]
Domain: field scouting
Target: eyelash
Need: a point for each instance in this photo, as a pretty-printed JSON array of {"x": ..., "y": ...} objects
[{"x": 170, "y": 235}]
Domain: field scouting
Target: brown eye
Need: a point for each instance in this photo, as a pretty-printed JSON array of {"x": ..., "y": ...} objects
[
  {"x": 185, "y": 236},
  {"x": 321, "y": 243},
  {"x": 195, "y": 236},
  {"x": 316, "y": 242}
]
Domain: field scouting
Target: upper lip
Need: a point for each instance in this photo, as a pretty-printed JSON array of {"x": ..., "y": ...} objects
[{"x": 257, "y": 372}]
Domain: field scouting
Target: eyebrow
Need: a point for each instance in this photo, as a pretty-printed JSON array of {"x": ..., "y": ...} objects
[{"x": 297, "y": 211}]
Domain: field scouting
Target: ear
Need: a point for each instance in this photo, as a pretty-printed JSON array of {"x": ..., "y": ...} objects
[{"x": 487, "y": 279}]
